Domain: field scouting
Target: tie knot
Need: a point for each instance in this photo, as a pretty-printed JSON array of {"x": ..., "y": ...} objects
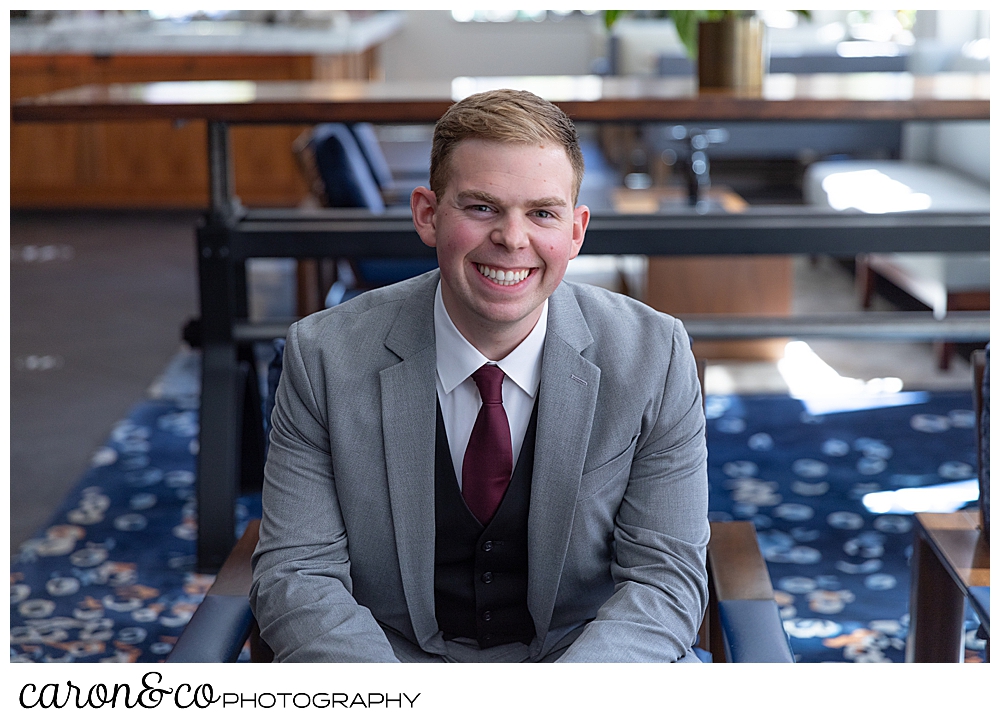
[{"x": 489, "y": 379}]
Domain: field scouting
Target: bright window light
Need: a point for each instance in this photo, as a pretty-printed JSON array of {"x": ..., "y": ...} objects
[
  {"x": 184, "y": 13},
  {"x": 947, "y": 497},
  {"x": 831, "y": 33},
  {"x": 872, "y": 191},
  {"x": 783, "y": 19},
  {"x": 977, "y": 49},
  {"x": 867, "y": 49},
  {"x": 823, "y": 391},
  {"x": 214, "y": 91},
  {"x": 507, "y": 16}
]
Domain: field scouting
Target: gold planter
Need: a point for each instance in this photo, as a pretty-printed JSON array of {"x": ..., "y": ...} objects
[{"x": 731, "y": 54}]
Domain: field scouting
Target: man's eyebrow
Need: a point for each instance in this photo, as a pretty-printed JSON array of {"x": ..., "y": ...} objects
[
  {"x": 548, "y": 202},
  {"x": 478, "y": 196}
]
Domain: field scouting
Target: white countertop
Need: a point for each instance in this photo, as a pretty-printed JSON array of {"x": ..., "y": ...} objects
[{"x": 202, "y": 37}]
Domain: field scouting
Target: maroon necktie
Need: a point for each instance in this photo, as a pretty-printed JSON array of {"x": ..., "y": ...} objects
[{"x": 488, "y": 461}]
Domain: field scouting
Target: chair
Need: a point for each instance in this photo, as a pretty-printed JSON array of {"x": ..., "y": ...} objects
[
  {"x": 742, "y": 624},
  {"x": 346, "y": 168}
]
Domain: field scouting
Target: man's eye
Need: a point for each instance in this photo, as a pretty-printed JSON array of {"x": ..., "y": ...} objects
[
  {"x": 480, "y": 208},
  {"x": 542, "y": 213}
]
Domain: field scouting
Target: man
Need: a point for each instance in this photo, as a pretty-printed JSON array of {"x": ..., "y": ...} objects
[{"x": 564, "y": 517}]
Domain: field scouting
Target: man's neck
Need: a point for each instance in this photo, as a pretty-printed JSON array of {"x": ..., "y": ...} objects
[{"x": 494, "y": 340}]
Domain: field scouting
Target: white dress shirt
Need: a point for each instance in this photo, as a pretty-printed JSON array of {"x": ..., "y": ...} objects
[{"x": 458, "y": 394}]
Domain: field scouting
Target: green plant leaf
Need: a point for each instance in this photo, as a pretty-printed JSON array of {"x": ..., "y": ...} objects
[
  {"x": 686, "y": 22},
  {"x": 610, "y": 16}
]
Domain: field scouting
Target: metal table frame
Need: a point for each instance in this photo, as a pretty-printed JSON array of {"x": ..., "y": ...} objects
[{"x": 230, "y": 234}]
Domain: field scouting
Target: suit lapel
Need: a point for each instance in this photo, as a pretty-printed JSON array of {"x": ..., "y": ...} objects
[
  {"x": 566, "y": 405},
  {"x": 408, "y": 411}
]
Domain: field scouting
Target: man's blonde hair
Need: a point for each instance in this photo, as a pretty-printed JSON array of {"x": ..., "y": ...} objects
[{"x": 503, "y": 116}]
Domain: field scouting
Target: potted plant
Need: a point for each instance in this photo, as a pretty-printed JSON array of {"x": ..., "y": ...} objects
[{"x": 728, "y": 45}]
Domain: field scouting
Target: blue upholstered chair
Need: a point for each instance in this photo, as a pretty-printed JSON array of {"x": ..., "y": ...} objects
[
  {"x": 347, "y": 169},
  {"x": 741, "y": 625}
]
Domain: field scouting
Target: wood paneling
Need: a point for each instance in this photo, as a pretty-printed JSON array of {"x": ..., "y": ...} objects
[
  {"x": 751, "y": 285},
  {"x": 678, "y": 285},
  {"x": 156, "y": 163}
]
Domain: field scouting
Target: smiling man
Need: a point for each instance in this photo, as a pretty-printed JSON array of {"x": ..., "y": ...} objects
[{"x": 487, "y": 463}]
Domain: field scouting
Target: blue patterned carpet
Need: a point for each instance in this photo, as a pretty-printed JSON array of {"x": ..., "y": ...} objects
[
  {"x": 111, "y": 579},
  {"x": 840, "y": 573}
]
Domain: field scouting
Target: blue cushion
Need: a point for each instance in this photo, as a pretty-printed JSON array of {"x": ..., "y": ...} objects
[
  {"x": 346, "y": 176},
  {"x": 377, "y": 272},
  {"x": 753, "y": 632},
  {"x": 216, "y": 632},
  {"x": 364, "y": 134},
  {"x": 352, "y": 167}
]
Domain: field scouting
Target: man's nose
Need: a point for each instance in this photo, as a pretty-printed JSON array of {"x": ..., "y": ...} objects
[{"x": 511, "y": 232}]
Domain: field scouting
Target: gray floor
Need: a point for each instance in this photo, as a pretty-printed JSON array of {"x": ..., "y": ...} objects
[{"x": 98, "y": 301}]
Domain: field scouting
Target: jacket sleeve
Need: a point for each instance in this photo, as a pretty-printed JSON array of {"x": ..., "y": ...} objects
[
  {"x": 661, "y": 532},
  {"x": 301, "y": 592}
]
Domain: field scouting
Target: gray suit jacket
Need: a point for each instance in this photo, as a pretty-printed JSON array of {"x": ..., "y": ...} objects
[{"x": 618, "y": 514}]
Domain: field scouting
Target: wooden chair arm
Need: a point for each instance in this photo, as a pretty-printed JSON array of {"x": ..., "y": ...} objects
[{"x": 742, "y": 623}]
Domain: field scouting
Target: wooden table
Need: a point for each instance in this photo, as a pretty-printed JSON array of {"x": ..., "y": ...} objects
[
  {"x": 950, "y": 556},
  {"x": 833, "y": 96},
  {"x": 160, "y": 163},
  {"x": 230, "y": 234}
]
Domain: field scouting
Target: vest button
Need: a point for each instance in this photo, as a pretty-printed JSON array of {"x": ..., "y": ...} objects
[
  {"x": 487, "y": 616},
  {"x": 487, "y": 577},
  {"x": 487, "y": 546}
]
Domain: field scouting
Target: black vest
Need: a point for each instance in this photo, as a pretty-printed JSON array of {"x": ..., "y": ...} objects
[{"x": 481, "y": 574}]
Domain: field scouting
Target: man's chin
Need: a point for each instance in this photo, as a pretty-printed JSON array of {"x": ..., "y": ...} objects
[{"x": 509, "y": 315}]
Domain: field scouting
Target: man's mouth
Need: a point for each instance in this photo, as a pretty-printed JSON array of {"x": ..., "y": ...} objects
[{"x": 503, "y": 277}]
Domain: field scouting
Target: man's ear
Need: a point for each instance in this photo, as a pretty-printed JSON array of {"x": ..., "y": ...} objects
[
  {"x": 423, "y": 207},
  {"x": 581, "y": 217}
]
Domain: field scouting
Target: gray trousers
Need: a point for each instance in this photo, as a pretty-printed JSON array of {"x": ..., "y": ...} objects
[{"x": 408, "y": 652}]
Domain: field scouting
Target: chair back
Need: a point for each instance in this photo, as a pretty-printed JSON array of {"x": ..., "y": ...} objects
[
  {"x": 344, "y": 169},
  {"x": 364, "y": 134}
]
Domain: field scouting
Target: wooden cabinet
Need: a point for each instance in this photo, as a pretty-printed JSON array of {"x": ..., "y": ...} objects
[{"x": 156, "y": 163}]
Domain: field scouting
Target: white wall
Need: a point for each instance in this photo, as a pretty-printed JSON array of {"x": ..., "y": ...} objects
[
  {"x": 962, "y": 146},
  {"x": 641, "y": 42},
  {"x": 434, "y": 46}
]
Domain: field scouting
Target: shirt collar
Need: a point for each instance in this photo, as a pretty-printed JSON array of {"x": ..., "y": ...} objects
[{"x": 457, "y": 358}]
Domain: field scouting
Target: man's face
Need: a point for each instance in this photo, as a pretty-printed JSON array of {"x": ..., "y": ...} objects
[{"x": 504, "y": 229}]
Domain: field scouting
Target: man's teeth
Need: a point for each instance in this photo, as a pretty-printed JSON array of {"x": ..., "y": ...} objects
[{"x": 504, "y": 278}]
